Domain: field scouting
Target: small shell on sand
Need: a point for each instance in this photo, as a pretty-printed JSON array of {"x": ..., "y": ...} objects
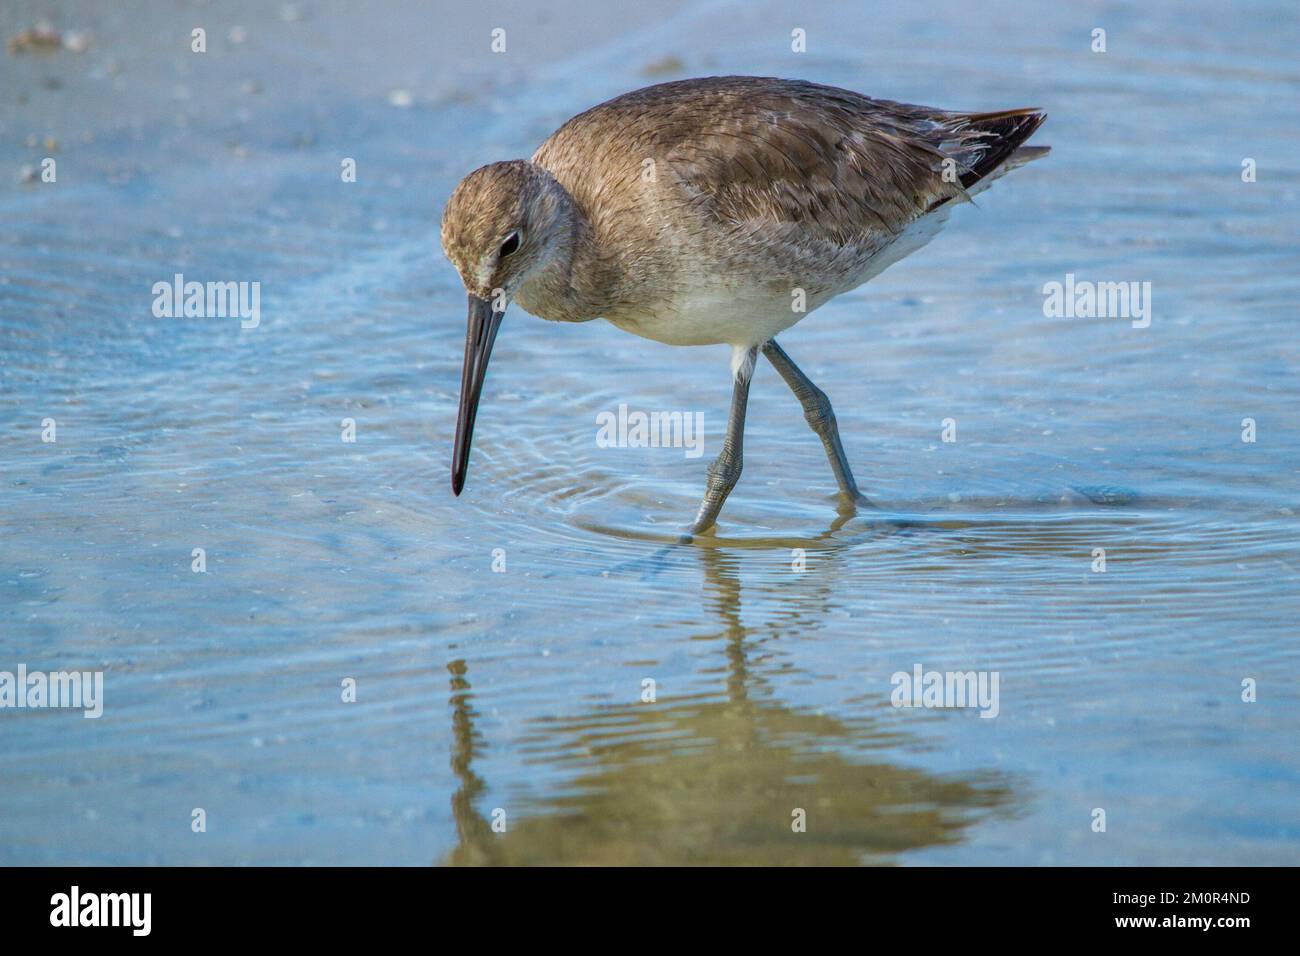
[{"x": 42, "y": 38}]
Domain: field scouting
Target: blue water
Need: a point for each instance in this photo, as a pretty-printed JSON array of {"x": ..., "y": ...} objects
[{"x": 515, "y": 697}]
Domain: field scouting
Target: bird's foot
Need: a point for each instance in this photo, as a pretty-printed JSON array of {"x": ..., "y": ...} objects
[
  {"x": 854, "y": 504},
  {"x": 696, "y": 529},
  {"x": 853, "y": 501}
]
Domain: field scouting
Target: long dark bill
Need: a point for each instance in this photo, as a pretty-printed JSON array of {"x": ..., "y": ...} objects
[{"x": 480, "y": 333}]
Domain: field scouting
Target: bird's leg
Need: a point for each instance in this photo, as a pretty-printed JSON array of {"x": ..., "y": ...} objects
[
  {"x": 725, "y": 470},
  {"x": 817, "y": 410}
]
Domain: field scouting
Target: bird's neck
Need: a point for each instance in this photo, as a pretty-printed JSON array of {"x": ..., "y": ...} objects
[{"x": 576, "y": 282}]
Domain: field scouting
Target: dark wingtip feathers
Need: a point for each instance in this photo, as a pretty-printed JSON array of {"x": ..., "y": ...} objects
[{"x": 1001, "y": 134}]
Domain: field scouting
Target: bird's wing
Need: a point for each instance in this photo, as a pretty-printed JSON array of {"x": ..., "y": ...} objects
[{"x": 824, "y": 163}]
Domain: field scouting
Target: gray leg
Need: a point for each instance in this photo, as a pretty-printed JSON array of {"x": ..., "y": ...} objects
[
  {"x": 725, "y": 470},
  {"x": 817, "y": 410}
]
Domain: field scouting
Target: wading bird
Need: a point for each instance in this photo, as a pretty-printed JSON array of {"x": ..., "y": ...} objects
[{"x": 703, "y": 212}]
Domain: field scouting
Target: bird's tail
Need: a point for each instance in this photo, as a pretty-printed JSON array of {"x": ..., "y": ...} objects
[{"x": 992, "y": 143}]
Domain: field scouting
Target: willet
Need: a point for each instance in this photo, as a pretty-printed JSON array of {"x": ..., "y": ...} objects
[{"x": 716, "y": 211}]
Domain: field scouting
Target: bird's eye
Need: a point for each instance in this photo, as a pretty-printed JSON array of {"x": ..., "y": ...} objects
[{"x": 510, "y": 245}]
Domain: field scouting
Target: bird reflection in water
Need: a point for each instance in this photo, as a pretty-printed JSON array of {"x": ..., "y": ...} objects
[{"x": 710, "y": 779}]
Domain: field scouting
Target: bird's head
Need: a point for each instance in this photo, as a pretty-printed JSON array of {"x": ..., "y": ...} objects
[{"x": 504, "y": 224}]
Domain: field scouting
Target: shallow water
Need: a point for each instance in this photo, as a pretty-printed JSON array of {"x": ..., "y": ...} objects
[{"x": 485, "y": 696}]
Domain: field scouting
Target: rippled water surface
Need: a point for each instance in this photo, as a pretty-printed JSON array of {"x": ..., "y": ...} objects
[{"x": 516, "y": 698}]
